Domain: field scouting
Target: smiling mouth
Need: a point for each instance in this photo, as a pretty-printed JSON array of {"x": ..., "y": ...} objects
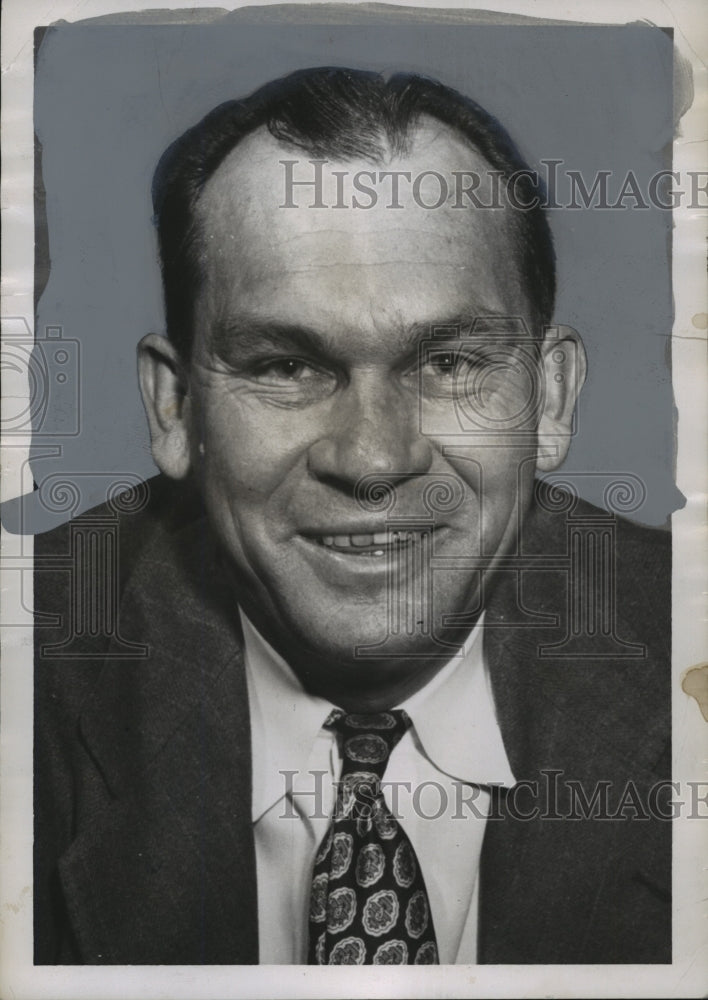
[{"x": 372, "y": 545}]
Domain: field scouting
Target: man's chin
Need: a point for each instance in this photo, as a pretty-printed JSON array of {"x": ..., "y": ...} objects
[
  {"x": 352, "y": 643},
  {"x": 369, "y": 673}
]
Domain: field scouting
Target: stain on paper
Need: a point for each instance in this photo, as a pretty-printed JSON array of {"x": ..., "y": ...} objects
[{"x": 695, "y": 684}]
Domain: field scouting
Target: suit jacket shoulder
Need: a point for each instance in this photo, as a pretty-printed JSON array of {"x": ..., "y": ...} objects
[
  {"x": 143, "y": 844},
  {"x": 579, "y": 652}
]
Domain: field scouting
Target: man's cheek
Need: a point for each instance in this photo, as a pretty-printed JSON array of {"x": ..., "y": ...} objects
[{"x": 238, "y": 449}]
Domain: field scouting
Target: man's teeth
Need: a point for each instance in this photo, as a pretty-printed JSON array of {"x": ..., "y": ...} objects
[{"x": 366, "y": 541}]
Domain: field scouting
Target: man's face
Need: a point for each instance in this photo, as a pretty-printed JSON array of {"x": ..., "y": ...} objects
[{"x": 307, "y": 375}]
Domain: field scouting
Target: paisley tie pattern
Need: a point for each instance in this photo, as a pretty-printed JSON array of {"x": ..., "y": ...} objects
[{"x": 368, "y": 905}]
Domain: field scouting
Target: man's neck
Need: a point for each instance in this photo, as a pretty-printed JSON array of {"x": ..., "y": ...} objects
[{"x": 361, "y": 684}]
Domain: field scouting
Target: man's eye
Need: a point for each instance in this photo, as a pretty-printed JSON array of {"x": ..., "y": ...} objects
[
  {"x": 449, "y": 364},
  {"x": 288, "y": 380},
  {"x": 284, "y": 370},
  {"x": 444, "y": 362},
  {"x": 446, "y": 372}
]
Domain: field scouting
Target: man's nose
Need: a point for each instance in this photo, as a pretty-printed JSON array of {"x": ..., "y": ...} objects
[{"x": 375, "y": 428}]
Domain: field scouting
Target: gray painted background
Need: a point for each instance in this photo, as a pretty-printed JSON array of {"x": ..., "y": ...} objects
[{"x": 110, "y": 98}]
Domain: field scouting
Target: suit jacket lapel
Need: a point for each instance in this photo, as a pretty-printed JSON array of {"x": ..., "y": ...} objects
[
  {"x": 163, "y": 869},
  {"x": 542, "y": 896}
]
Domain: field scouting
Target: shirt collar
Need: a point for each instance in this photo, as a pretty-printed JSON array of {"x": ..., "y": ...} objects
[
  {"x": 285, "y": 719},
  {"x": 453, "y": 716}
]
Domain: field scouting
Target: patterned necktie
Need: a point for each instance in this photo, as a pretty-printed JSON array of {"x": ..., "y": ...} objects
[{"x": 369, "y": 905}]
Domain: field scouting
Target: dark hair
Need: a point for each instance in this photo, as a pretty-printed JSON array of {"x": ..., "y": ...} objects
[{"x": 330, "y": 112}]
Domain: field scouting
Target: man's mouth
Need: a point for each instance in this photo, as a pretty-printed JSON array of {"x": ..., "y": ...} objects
[{"x": 373, "y": 545}]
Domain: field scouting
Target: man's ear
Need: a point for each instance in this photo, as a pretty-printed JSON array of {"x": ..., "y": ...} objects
[
  {"x": 564, "y": 370},
  {"x": 166, "y": 400}
]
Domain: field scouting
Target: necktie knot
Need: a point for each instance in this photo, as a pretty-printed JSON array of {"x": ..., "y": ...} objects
[{"x": 366, "y": 741}]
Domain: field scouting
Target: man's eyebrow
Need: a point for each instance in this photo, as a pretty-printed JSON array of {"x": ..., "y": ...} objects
[
  {"x": 468, "y": 324},
  {"x": 251, "y": 334},
  {"x": 246, "y": 334}
]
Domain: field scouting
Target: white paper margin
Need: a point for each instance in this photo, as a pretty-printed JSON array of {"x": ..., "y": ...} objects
[{"x": 688, "y": 975}]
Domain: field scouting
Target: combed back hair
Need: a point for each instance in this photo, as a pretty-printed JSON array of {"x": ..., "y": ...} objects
[{"x": 341, "y": 114}]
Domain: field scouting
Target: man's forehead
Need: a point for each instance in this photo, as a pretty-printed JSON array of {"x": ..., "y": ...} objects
[
  {"x": 264, "y": 249},
  {"x": 431, "y": 178}
]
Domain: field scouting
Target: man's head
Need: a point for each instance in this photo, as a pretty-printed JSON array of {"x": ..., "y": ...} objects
[
  {"x": 336, "y": 114},
  {"x": 317, "y": 346}
]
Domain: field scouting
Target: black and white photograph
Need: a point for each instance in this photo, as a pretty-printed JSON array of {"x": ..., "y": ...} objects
[{"x": 353, "y": 523}]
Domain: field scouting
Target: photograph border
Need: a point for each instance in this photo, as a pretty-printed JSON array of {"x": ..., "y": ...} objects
[{"x": 686, "y": 976}]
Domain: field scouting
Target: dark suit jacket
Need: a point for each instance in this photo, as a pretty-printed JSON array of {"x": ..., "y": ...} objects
[{"x": 144, "y": 849}]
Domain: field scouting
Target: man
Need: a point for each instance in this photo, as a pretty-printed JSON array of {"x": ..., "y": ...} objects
[{"x": 346, "y": 592}]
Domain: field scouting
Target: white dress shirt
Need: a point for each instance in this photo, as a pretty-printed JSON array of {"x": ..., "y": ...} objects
[{"x": 432, "y": 785}]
